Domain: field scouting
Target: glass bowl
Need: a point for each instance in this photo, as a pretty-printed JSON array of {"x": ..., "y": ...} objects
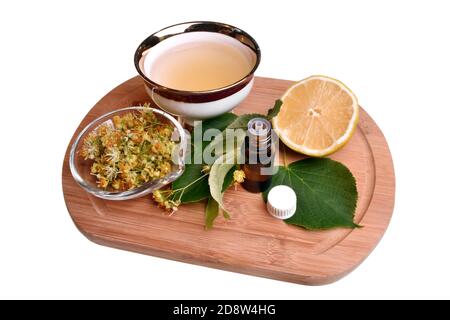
[{"x": 81, "y": 168}]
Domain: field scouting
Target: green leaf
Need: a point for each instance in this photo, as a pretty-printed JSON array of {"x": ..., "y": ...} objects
[
  {"x": 272, "y": 113},
  {"x": 220, "y": 146},
  {"x": 228, "y": 180},
  {"x": 219, "y": 123},
  {"x": 211, "y": 213},
  {"x": 229, "y": 140},
  {"x": 326, "y": 193},
  {"x": 226, "y": 215},
  {"x": 234, "y": 130},
  {"x": 217, "y": 175},
  {"x": 192, "y": 185},
  {"x": 195, "y": 185},
  {"x": 220, "y": 169},
  {"x": 241, "y": 122}
]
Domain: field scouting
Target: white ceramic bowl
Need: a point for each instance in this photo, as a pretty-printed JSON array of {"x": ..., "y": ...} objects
[{"x": 196, "y": 105}]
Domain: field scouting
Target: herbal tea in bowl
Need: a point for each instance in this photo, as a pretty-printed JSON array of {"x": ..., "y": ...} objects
[
  {"x": 128, "y": 153},
  {"x": 198, "y": 70}
]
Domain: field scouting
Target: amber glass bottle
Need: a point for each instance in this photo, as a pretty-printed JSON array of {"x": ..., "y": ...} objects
[{"x": 258, "y": 156}]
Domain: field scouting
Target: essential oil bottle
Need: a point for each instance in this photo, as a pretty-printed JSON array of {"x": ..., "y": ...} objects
[{"x": 259, "y": 157}]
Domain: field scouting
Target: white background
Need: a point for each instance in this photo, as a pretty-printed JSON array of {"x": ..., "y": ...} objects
[{"x": 58, "y": 59}]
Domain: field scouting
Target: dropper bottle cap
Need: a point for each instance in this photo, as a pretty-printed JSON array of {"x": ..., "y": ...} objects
[
  {"x": 259, "y": 131},
  {"x": 282, "y": 202}
]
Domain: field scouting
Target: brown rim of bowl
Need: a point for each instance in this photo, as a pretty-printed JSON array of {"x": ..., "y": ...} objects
[{"x": 195, "y": 26}]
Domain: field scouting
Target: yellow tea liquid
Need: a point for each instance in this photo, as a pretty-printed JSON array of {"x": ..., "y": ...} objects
[{"x": 203, "y": 63}]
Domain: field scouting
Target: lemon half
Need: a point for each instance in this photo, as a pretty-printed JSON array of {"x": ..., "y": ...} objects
[{"x": 318, "y": 116}]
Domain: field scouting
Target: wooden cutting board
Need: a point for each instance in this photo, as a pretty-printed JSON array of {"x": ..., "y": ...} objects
[{"x": 251, "y": 242}]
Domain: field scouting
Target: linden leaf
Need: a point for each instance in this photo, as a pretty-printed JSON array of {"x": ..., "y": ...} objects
[
  {"x": 198, "y": 144},
  {"x": 192, "y": 186},
  {"x": 272, "y": 113},
  {"x": 326, "y": 193},
  {"x": 221, "y": 167},
  {"x": 242, "y": 121},
  {"x": 211, "y": 213},
  {"x": 228, "y": 181}
]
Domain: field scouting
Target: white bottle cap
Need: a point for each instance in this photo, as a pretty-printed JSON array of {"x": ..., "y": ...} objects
[{"x": 282, "y": 202}]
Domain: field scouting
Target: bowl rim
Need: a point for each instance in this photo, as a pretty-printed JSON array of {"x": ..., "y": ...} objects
[
  {"x": 157, "y": 38},
  {"x": 145, "y": 188}
]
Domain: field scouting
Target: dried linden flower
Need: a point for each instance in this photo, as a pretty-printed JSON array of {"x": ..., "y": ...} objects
[
  {"x": 162, "y": 198},
  {"x": 238, "y": 176},
  {"x": 129, "y": 151}
]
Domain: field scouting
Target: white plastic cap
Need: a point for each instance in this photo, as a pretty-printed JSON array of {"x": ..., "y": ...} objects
[{"x": 282, "y": 202}]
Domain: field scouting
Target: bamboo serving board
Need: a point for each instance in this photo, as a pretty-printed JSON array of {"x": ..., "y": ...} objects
[{"x": 251, "y": 242}]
